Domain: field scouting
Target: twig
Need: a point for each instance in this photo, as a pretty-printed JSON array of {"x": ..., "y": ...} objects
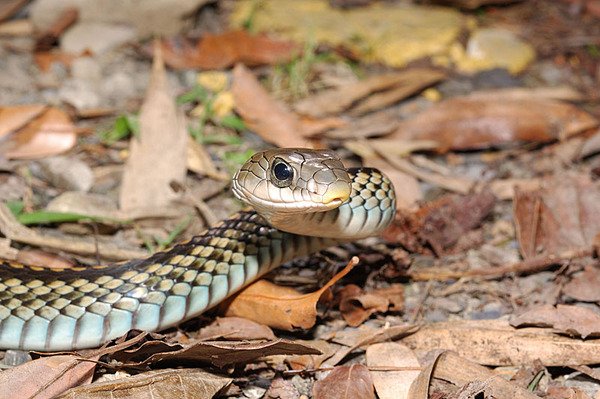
[
  {"x": 15, "y": 231},
  {"x": 531, "y": 265},
  {"x": 370, "y": 368}
]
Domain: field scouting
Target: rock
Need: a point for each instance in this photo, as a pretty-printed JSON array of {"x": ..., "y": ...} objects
[
  {"x": 147, "y": 17},
  {"x": 96, "y": 37},
  {"x": 389, "y": 33},
  {"x": 117, "y": 87},
  {"x": 494, "y": 48},
  {"x": 86, "y": 68},
  {"x": 80, "y": 94},
  {"x": 66, "y": 173},
  {"x": 85, "y": 204}
]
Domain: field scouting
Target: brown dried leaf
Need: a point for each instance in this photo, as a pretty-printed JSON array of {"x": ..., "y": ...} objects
[
  {"x": 8, "y": 8},
  {"x": 375, "y": 124},
  {"x": 157, "y": 384},
  {"x": 584, "y": 286},
  {"x": 269, "y": 118},
  {"x": 345, "y": 382},
  {"x": 235, "y": 328},
  {"x": 392, "y": 384},
  {"x": 51, "y": 133},
  {"x": 563, "y": 214},
  {"x": 357, "y": 306},
  {"x": 281, "y": 307},
  {"x": 36, "y": 257},
  {"x": 15, "y": 117},
  {"x": 567, "y": 319},
  {"x": 218, "y": 353},
  {"x": 158, "y": 155},
  {"x": 227, "y": 49},
  {"x": 496, "y": 343},
  {"x": 45, "y": 59},
  {"x": 441, "y": 223},
  {"x": 45, "y": 377},
  {"x": 414, "y": 81},
  {"x": 463, "y": 123},
  {"x": 339, "y": 99},
  {"x": 459, "y": 371}
]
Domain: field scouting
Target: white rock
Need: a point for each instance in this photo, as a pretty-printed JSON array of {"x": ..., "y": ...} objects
[
  {"x": 497, "y": 48},
  {"x": 96, "y": 37},
  {"x": 148, "y": 17},
  {"x": 80, "y": 94},
  {"x": 66, "y": 173}
]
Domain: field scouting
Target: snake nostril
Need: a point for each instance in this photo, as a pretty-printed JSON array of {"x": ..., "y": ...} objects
[{"x": 338, "y": 190}]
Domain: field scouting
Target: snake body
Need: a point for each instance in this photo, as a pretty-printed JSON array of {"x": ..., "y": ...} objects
[{"x": 53, "y": 309}]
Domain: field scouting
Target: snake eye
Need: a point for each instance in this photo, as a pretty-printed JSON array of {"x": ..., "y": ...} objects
[{"x": 281, "y": 173}]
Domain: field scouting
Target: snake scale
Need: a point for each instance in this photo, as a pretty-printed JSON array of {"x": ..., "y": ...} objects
[{"x": 304, "y": 201}]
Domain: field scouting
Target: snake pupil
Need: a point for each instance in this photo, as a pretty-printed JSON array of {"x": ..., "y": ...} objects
[{"x": 283, "y": 174}]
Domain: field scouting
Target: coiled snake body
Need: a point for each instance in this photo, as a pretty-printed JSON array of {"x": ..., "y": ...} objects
[{"x": 305, "y": 201}]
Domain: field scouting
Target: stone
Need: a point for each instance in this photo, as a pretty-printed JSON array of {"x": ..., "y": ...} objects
[
  {"x": 86, "y": 68},
  {"x": 147, "y": 17},
  {"x": 491, "y": 48},
  {"x": 95, "y": 37},
  {"x": 80, "y": 94},
  {"x": 66, "y": 173},
  {"x": 85, "y": 204},
  {"x": 389, "y": 33}
]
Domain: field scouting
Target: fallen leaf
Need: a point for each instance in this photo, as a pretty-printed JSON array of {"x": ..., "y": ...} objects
[
  {"x": 394, "y": 294},
  {"x": 336, "y": 100},
  {"x": 199, "y": 161},
  {"x": 158, "y": 154},
  {"x": 8, "y": 8},
  {"x": 269, "y": 118},
  {"x": 227, "y": 49},
  {"x": 563, "y": 93},
  {"x": 45, "y": 59},
  {"x": 473, "y": 4},
  {"x": 392, "y": 384},
  {"x": 564, "y": 213},
  {"x": 36, "y": 257},
  {"x": 15, "y": 117},
  {"x": 280, "y": 307},
  {"x": 345, "y": 382},
  {"x": 459, "y": 371},
  {"x": 218, "y": 353},
  {"x": 235, "y": 328},
  {"x": 156, "y": 384},
  {"x": 567, "y": 319},
  {"x": 464, "y": 123},
  {"x": 496, "y": 343},
  {"x": 584, "y": 285},
  {"x": 590, "y": 146},
  {"x": 565, "y": 393},
  {"x": 505, "y": 189},
  {"x": 45, "y": 377},
  {"x": 416, "y": 79},
  {"x": 50, "y": 133},
  {"x": 357, "y": 306},
  {"x": 375, "y": 124},
  {"x": 441, "y": 223},
  {"x": 49, "y": 37}
]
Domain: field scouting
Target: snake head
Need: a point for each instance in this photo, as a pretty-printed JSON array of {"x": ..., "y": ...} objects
[{"x": 293, "y": 181}]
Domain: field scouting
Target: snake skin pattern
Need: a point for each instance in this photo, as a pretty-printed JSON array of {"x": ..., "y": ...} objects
[{"x": 53, "y": 309}]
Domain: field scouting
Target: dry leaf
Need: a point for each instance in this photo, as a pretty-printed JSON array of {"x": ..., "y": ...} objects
[
  {"x": 357, "y": 306},
  {"x": 441, "y": 223},
  {"x": 158, "y": 154},
  {"x": 8, "y": 8},
  {"x": 227, "y": 49},
  {"x": 235, "y": 328},
  {"x": 392, "y": 384},
  {"x": 15, "y": 117},
  {"x": 157, "y": 384},
  {"x": 464, "y": 123},
  {"x": 375, "y": 124},
  {"x": 49, "y": 134},
  {"x": 218, "y": 353},
  {"x": 345, "y": 382},
  {"x": 495, "y": 342},
  {"x": 270, "y": 119},
  {"x": 36, "y": 257},
  {"x": 563, "y": 214},
  {"x": 584, "y": 286},
  {"x": 339, "y": 99},
  {"x": 45, "y": 59},
  {"x": 459, "y": 371},
  {"x": 45, "y": 377},
  {"x": 415, "y": 80},
  {"x": 199, "y": 161},
  {"x": 280, "y": 307},
  {"x": 567, "y": 319}
]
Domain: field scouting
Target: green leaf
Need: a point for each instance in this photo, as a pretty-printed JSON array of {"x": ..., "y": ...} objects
[
  {"x": 198, "y": 94},
  {"x": 232, "y": 121},
  {"x": 16, "y": 207},
  {"x": 124, "y": 126},
  {"x": 46, "y": 217}
]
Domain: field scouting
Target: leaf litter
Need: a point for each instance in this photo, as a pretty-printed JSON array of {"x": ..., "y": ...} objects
[{"x": 520, "y": 154}]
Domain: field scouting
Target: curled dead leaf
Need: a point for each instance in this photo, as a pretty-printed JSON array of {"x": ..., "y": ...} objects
[
  {"x": 281, "y": 307},
  {"x": 40, "y": 134},
  {"x": 567, "y": 319}
]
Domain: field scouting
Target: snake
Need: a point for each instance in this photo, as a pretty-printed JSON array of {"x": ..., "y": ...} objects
[{"x": 303, "y": 201}]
